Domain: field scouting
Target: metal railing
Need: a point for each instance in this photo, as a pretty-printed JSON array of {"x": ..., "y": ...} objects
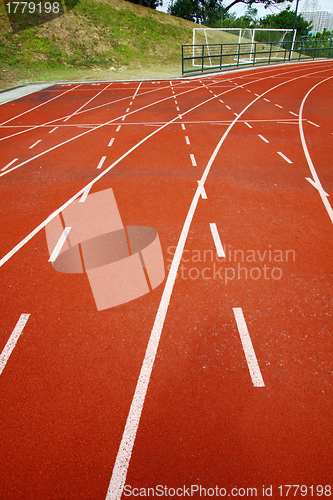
[{"x": 212, "y": 57}]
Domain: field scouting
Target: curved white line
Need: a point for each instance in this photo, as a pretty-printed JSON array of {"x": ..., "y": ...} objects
[{"x": 316, "y": 183}]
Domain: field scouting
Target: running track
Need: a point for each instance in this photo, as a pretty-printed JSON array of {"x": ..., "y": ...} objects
[{"x": 168, "y": 389}]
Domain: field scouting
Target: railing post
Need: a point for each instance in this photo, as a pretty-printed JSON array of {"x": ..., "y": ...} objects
[
  {"x": 238, "y": 54},
  {"x": 221, "y": 56},
  {"x": 329, "y": 51},
  {"x": 315, "y": 50},
  {"x": 202, "y": 58},
  {"x": 270, "y": 54},
  {"x": 254, "y": 54}
]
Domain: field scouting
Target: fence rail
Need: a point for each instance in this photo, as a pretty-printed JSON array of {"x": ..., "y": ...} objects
[{"x": 211, "y": 57}]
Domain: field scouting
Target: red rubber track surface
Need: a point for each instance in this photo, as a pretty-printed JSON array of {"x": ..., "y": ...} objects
[{"x": 68, "y": 385}]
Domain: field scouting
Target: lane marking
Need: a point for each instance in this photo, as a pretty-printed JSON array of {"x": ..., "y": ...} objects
[
  {"x": 316, "y": 185},
  {"x": 263, "y": 138},
  {"x": 111, "y": 142},
  {"x": 187, "y": 140},
  {"x": 123, "y": 118},
  {"x": 183, "y": 126},
  {"x": 202, "y": 191},
  {"x": 128, "y": 109},
  {"x": 217, "y": 240},
  {"x": 227, "y": 106},
  {"x": 194, "y": 163},
  {"x": 235, "y": 114},
  {"x": 9, "y": 164},
  {"x": 266, "y": 99},
  {"x": 86, "y": 104},
  {"x": 101, "y": 161},
  {"x": 313, "y": 123},
  {"x": 11, "y": 343},
  {"x": 292, "y": 113},
  {"x": 59, "y": 245},
  {"x": 250, "y": 355},
  {"x": 221, "y": 101},
  {"x": 248, "y": 125},
  {"x": 278, "y": 106},
  {"x": 284, "y": 157},
  {"x": 316, "y": 181},
  {"x": 55, "y": 128},
  {"x": 118, "y": 128},
  {"x": 35, "y": 144},
  {"x": 85, "y": 194}
]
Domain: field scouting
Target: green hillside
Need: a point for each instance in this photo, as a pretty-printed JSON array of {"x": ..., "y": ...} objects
[{"x": 97, "y": 39}]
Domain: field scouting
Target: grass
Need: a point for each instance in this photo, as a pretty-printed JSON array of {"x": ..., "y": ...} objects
[{"x": 97, "y": 39}]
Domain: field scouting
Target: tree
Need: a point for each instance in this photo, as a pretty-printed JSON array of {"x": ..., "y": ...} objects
[
  {"x": 285, "y": 20},
  {"x": 153, "y": 4}
]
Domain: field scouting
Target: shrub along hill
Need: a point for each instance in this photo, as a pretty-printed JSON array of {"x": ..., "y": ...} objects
[{"x": 97, "y": 39}]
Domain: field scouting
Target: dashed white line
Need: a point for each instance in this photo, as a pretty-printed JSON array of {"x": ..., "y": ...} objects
[
  {"x": 59, "y": 244},
  {"x": 9, "y": 164},
  {"x": 263, "y": 138},
  {"x": 118, "y": 128},
  {"x": 221, "y": 101},
  {"x": 183, "y": 126},
  {"x": 313, "y": 123},
  {"x": 177, "y": 108},
  {"x": 85, "y": 194},
  {"x": 217, "y": 241},
  {"x": 111, "y": 142},
  {"x": 128, "y": 109},
  {"x": 194, "y": 163},
  {"x": 248, "y": 125},
  {"x": 227, "y": 106},
  {"x": 278, "y": 106},
  {"x": 55, "y": 128},
  {"x": 250, "y": 355},
  {"x": 292, "y": 113},
  {"x": 35, "y": 144},
  {"x": 11, "y": 343},
  {"x": 101, "y": 161},
  {"x": 235, "y": 114},
  {"x": 187, "y": 139},
  {"x": 284, "y": 157}
]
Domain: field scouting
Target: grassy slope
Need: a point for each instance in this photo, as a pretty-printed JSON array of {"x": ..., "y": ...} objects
[{"x": 98, "y": 39}]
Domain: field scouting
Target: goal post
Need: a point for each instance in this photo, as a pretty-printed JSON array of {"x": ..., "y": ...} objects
[{"x": 255, "y": 42}]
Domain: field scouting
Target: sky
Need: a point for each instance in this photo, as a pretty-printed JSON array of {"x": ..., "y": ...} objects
[{"x": 240, "y": 9}]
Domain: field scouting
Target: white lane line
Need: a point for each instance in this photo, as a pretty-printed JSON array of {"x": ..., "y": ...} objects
[
  {"x": 217, "y": 240},
  {"x": 177, "y": 108},
  {"x": 263, "y": 138},
  {"x": 313, "y": 123},
  {"x": 85, "y": 194},
  {"x": 248, "y": 90},
  {"x": 227, "y": 106},
  {"x": 176, "y": 102},
  {"x": 35, "y": 144},
  {"x": 316, "y": 185},
  {"x": 39, "y": 105},
  {"x": 278, "y": 106},
  {"x": 267, "y": 100},
  {"x": 86, "y": 103},
  {"x": 250, "y": 355},
  {"x": 194, "y": 163},
  {"x": 284, "y": 157},
  {"x": 123, "y": 118},
  {"x": 187, "y": 140},
  {"x": 9, "y": 164},
  {"x": 11, "y": 343},
  {"x": 221, "y": 101},
  {"x": 131, "y": 103},
  {"x": 292, "y": 113},
  {"x": 59, "y": 245},
  {"x": 118, "y": 128},
  {"x": 128, "y": 109},
  {"x": 55, "y": 128},
  {"x": 101, "y": 161},
  {"x": 316, "y": 181},
  {"x": 137, "y": 90},
  {"x": 235, "y": 114},
  {"x": 202, "y": 191},
  {"x": 248, "y": 125},
  {"x": 111, "y": 142},
  {"x": 183, "y": 126}
]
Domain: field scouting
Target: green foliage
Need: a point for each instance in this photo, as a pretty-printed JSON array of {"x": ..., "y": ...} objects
[{"x": 285, "y": 20}]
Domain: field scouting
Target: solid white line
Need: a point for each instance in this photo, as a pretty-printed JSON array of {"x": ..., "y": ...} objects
[
  {"x": 55, "y": 128},
  {"x": 194, "y": 163},
  {"x": 284, "y": 157},
  {"x": 278, "y": 106},
  {"x": 250, "y": 355},
  {"x": 85, "y": 194},
  {"x": 59, "y": 245},
  {"x": 111, "y": 142},
  {"x": 35, "y": 144},
  {"x": 318, "y": 186},
  {"x": 202, "y": 191},
  {"x": 86, "y": 104},
  {"x": 248, "y": 125},
  {"x": 187, "y": 140},
  {"x": 136, "y": 92},
  {"x": 263, "y": 138},
  {"x": 11, "y": 343},
  {"x": 217, "y": 241},
  {"x": 313, "y": 123},
  {"x": 101, "y": 161},
  {"x": 9, "y": 164}
]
